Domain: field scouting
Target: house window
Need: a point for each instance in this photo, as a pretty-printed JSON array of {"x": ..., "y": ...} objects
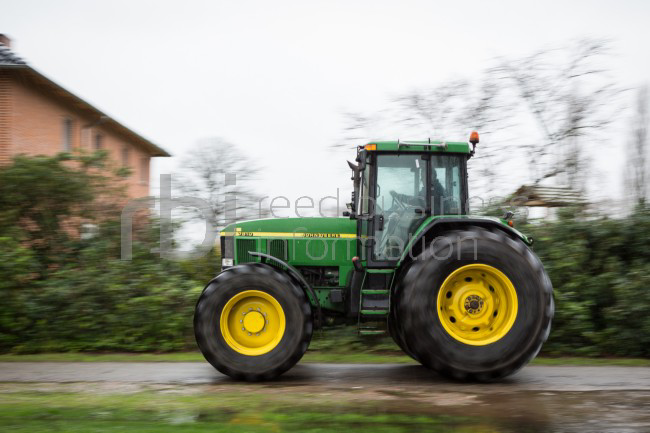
[
  {"x": 99, "y": 142},
  {"x": 67, "y": 134},
  {"x": 144, "y": 170},
  {"x": 125, "y": 156}
]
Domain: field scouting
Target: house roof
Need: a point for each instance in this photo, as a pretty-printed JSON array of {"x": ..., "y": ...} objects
[
  {"x": 11, "y": 62},
  {"x": 547, "y": 196},
  {"x": 7, "y": 57}
]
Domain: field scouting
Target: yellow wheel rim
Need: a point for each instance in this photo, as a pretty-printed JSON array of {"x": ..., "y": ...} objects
[
  {"x": 252, "y": 322},
  {"x": 477, "y": 304}
]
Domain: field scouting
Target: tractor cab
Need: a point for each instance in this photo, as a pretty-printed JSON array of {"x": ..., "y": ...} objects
[{"x": 398, "y": 187}]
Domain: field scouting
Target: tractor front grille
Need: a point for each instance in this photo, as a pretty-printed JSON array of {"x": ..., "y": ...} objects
[
  {"x": 278, "y": 248},
  {"x": 243, "y": 247}
]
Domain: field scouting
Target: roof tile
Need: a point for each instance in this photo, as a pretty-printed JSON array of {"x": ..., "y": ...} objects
[{"x": 7, "y": 57}]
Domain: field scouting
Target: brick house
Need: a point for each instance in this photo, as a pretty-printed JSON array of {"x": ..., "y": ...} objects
[{"x": 39, "y": 117}]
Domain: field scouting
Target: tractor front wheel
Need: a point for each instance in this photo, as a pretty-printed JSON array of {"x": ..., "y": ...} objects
[{"x": 252, "y": 322}]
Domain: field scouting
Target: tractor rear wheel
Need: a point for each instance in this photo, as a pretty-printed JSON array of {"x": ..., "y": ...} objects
[
  {"x": 476, "y": 305},
  {"x": 252, "y": 322},
  {"x": 396, "y": 330}
]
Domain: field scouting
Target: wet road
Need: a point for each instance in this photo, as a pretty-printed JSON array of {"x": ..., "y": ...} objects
[
  {"x": 531, "y": 378},
  {"x": 536, "y": 399}
]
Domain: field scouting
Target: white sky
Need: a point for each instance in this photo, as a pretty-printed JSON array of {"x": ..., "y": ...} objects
[{"x": 274, "y": 77}]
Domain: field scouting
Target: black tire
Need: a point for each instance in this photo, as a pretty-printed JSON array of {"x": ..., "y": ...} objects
[
  {"x": 423, "y": 332},
  {"x": 395, "y": 328},
  {"x": 294, "y": 303}
]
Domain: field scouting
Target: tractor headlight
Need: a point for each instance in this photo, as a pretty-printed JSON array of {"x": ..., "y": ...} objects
[{"x": 227, "y": 250}]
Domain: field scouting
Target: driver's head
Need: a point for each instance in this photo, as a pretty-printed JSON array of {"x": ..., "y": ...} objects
[{"x": 423, "y": 176}]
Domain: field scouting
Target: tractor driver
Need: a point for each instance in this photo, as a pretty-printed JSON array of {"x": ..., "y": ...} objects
[{"x": 419, "y": 201}]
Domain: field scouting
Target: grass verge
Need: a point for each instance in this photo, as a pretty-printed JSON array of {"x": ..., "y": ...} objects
[{"x": 219, "y": 410}]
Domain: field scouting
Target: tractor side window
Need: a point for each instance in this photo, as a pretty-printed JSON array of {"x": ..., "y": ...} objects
[
  {"x": 400, "y": 203},
  {"x": 446, "y": 184}
]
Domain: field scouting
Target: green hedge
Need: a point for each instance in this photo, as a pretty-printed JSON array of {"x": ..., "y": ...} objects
[
  {"x": 600, "y": 271},
  {"x": 97, "y": 303}
]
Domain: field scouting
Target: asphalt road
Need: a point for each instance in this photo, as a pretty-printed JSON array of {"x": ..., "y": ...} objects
[
  {"x": 537, "y": 399},
  {"x": 531, "y": 378}
]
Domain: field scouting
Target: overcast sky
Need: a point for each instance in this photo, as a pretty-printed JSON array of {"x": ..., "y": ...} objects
[{"x": 274, "y": 77}]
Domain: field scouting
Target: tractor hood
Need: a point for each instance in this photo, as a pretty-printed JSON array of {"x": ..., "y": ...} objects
[
  {"x": 293, "y": 228},
  {"x": 298, "y": 241}
]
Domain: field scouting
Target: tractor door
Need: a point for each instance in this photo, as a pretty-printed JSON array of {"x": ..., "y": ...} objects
[{"x": 398, "y": 203}]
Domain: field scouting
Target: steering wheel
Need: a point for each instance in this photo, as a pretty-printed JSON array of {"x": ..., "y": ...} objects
[{"x": 397, "y": 198}]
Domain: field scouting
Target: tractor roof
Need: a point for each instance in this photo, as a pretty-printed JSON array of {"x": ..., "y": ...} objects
[{"x": 419, "y": 146}]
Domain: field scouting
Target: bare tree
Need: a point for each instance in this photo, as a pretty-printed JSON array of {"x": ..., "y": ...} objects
[
  {"x": 435, "y": 111},
  {"x": 216, "y": 171},
  {"x": 447, "y": 111},
  {"x": 571, "y": 100},
  {"x": 637, "y": 157}
]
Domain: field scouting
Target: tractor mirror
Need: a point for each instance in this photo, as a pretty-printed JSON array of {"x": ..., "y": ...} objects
[{"x": 361, "y": 159}]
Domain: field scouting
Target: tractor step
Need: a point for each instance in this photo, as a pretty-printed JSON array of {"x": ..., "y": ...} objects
[
  {"x": 374, "y": 292},
  {"x": 372, "y": 331},
  {"x": 377, "y": 312},
  {"x": 374, "y": 302}
]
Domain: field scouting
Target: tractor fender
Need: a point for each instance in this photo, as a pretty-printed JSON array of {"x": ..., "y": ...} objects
[
  {"x": 297, "y": 277},
  {"x": 439, "y": 225}
]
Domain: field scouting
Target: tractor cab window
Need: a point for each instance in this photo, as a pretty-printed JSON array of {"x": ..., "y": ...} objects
[
  {"x": 400, "y": 202},
  {"x": 446, "y": 198}
]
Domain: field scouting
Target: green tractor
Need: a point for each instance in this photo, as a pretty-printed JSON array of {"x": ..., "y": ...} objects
[{"x": 463, "y": 295}]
